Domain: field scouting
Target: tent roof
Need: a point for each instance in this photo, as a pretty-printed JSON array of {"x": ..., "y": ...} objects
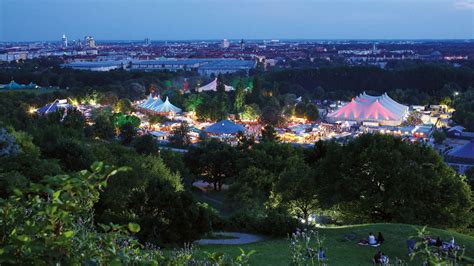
[
  {"x": 465, "y": 151},
  {"x": 224, "y": 127},
  {"x": 371, "y": 108},
  {"x": 151, "y": 102},
  {"x": 165, "y": 107},
  {"x": 48, "y": 108},
  {"x": 212, "y": 86},
  {"x": 14, "y": 85}
]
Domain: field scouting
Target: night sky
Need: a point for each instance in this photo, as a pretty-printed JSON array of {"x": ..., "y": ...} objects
[{"x": 36, "y": 20}]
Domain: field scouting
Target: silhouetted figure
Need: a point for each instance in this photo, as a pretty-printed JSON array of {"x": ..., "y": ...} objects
[{"x": 380, "y": 238}]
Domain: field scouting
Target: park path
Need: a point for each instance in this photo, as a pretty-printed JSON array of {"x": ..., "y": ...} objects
[{"x": 240, "y": 238}]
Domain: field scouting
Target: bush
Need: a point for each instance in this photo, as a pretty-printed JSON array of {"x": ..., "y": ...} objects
[{"x": 274, "y": 222}]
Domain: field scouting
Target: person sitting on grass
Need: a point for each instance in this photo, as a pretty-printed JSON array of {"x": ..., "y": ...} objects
[
  {"x": 377, "y": 258},
  {"x": 371, "y": 239},
  {"x": 438, "y": 243},
  {"x": 380, "y": 238},
  {"x": 321, "y": 254},
  {"x": 451, "y": 244},
  {"x": 384, "y": 259}
]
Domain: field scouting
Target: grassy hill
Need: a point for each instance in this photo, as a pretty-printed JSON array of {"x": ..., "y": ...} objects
[{"x": 276, "y": 251}]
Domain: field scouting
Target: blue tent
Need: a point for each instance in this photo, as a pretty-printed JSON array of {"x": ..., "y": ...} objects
[
  {"x": 224, "y": 127},
  {"x": 32, "y": 86},
  {"x": 49, "y": 108},
  {"x": 465, "y": 153},
  {"x": 14, "y": 86}
]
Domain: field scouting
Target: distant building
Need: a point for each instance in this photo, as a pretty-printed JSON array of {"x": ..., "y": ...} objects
[
  {"x": 170, "y": 64},
  {"x": 64, "y": 40},
  {"x": 225, "y": 44},
  {"x": 90, "y": 42},
  {"x": 147, "y": 42},
  {"x": 204, "y": 66},
  {"x": 95, "y": 66},
  {"x": 225, "y": 66}
]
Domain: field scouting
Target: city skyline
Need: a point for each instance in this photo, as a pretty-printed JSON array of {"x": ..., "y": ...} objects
[{"x": 47, "y": 20}]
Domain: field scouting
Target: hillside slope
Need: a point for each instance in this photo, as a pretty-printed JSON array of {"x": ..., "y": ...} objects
[{"x": 276, "y": 251}]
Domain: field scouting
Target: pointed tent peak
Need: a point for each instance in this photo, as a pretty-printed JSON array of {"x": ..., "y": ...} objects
[
  {"x": 167, "y": 99},
  {"x": 353, "y": 100}
]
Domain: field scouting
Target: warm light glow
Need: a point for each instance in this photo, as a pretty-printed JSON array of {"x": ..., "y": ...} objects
[
  {"x": 74, "y": 102},
  {"x": 32, "y": 110}
]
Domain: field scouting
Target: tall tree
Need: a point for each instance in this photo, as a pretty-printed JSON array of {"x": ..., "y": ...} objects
[
  {"x": 103, "y": 128},
  {"x": 257, "y": 91},
  {"x": 312, "y": 112},
  {"x": 213, "y": 161},
  {"x": 380, "y": 178},
  {"x": 239, "y": 97},
  {"x": 123, "y": 106},
  {"x": 220, "y": 84},
  {"x": 269, "y": 134},
  {"x": 180, "y": 136},
  {"x": 127, "y": 133},
  {"x": 297, "y": 188},
  {"x": 145, "y": 144}
]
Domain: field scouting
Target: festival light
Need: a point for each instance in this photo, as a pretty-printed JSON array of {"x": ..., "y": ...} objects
[{"x": 32, "y": 110}]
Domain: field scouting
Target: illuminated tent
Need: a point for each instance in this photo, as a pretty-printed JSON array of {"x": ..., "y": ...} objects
[
  {"x": 155, "y": 104},
  {"x": 54, "y": 107},
  {"x": 366, "y": 108},
  {"x": 165, "y": 107},
  {"x": 224, "y": 127},
  {"x": 14, "y": 86},
  {"x": 149, "y": 101},
  {"x": 213, "y": 87}
]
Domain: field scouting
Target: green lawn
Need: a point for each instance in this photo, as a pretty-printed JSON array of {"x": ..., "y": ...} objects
[{"x": 276, "y": 251}]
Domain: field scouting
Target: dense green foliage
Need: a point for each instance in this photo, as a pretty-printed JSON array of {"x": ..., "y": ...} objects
[
  {"x": 378, "y": 178},
  {"x": 149, "y": 194},
  {"x": 464, "y": 105},
  {"x": 374, "y": 178},
  {"x": 420, "y": 84}
]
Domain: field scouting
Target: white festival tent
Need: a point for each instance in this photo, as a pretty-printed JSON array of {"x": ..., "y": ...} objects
[
  {"x": 150, "y": 101},
  {"x": 212, "y": 86},
  {"x": 166, "y": 107},
  {"x": 157, "y": 105},
  {"x": 157, "y": 102},
  {"x": 367, "y": 108}
]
